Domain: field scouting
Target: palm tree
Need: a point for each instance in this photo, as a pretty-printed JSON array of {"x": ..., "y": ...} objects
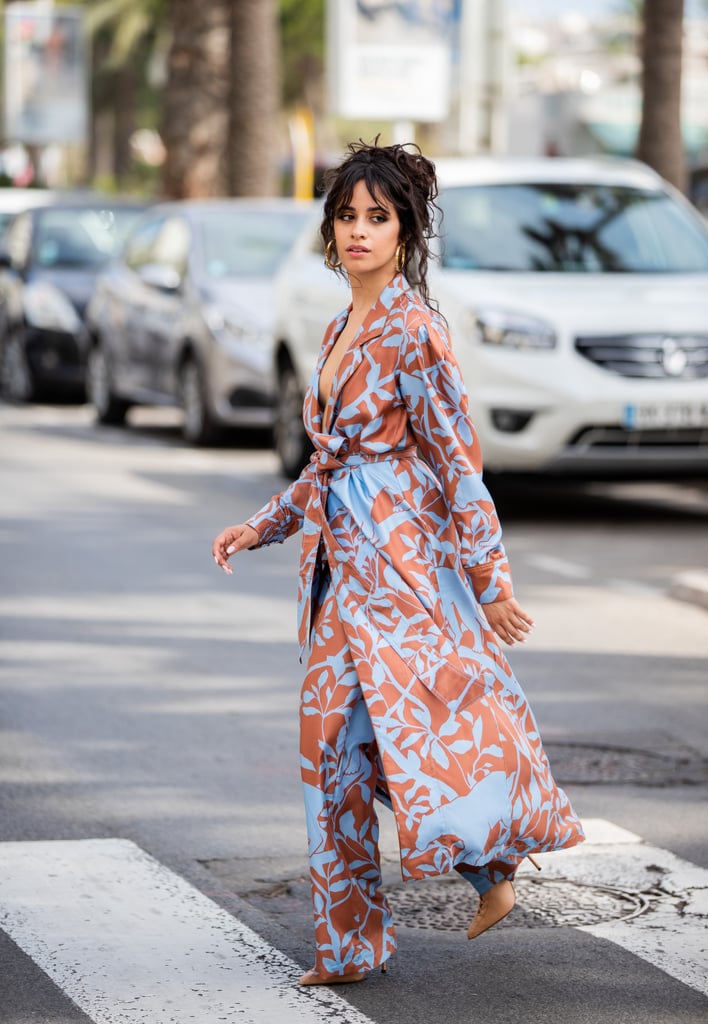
[
  {"x": 660, "y": 141},
  {"x": 254, "y": 97},
  {"x": 125, "y": 35},
  {"x": 195, "y": 125},
  {"x": 221, "y": 98}
]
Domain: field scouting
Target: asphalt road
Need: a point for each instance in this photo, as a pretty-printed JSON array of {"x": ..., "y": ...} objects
[{"x": 145, "y": 696}]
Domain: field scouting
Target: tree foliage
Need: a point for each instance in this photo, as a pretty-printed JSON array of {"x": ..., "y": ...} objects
[
  {"x": 130, "y": 23},
  {"x": 301, "y": 24},
  {"x": 302, "y": 45},
  {"x": 197, "y": 110}
]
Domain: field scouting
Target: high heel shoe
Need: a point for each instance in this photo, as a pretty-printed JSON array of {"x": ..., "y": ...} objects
[
  {"x": 493, "y": 907},
  {"x": 533, "y": 861},
  {"x": 313, "y": 978}
]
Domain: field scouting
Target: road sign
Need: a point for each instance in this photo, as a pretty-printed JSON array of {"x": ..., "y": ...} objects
[
  {"x": 45, "y": 74},
  {"x": 391, "y": 61}
]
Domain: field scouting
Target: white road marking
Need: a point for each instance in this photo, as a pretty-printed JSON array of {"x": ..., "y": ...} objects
[
  {"x": 672, "y": 934},
  {"x": 133, "y": 943},
  {"x": 559, "y": 567}
]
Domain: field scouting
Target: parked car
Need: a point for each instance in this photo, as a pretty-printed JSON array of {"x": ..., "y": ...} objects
[
  {"x": 49, "y": 259},
  {"x": 185, "y": 316},
  {"x": 15, "y": 200},
  {"x": 698, "y": 189},
  {"x": 576, "y": 293}
]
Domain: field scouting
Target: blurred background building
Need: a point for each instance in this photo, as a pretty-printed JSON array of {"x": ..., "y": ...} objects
[{"x": 576, "y": 82}]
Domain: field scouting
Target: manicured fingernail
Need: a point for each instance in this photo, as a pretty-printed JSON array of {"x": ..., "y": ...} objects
[{"x": 230, "y": 551}]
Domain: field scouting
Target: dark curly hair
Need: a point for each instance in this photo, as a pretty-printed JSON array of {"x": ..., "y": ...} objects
[{"x": 403, "y": 177}]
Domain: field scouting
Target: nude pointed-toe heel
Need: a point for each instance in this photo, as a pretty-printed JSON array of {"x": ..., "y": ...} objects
[
  {"x": 313, "y": 978},
  {"x": 493, "y": 907}
]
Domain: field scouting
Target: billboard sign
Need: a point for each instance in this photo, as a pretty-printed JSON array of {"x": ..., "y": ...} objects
[
  {"x": 45, "y": 74},
  {"x": 391, "y": 59}
]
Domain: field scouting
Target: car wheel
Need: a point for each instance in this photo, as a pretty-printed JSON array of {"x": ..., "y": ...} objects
[
  {"x": 291, "y": 441},
  {"x": 18, "y": 382},
  {"x": 109, "y": 409},
  {"x": 198, "y": 427}
]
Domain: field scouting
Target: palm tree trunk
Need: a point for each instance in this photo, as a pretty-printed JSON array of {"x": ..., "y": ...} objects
[
  {"x": 195, "y": 111},
  {"x": 254, "y": 97},
  {"x": 125, "y": 102},
  {"x": 660, "y": 141}
]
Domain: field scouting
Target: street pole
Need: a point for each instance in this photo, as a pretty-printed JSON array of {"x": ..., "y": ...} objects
[
  {"x": 484, "y": 75},
  {"x": 499, "y": 63}
]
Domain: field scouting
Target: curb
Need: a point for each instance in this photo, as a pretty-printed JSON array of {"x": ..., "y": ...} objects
[{"x": 691, "y": 587}]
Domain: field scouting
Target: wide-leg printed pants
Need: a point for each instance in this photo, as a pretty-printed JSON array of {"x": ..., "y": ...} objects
[{"x": 342, "y": 776}]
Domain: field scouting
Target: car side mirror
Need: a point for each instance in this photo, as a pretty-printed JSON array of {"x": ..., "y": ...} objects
[
  {"x": 5, "y": 260},
  {"x": 157, "y": 275}
]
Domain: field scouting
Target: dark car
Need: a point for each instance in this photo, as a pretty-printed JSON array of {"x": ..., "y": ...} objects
[
  {"x": 186, "y": 315},
  {"x": 49, "y": 260}
]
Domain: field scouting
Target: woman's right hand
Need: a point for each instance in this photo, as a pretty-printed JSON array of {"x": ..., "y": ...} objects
[{"x": 231, "y": 540}]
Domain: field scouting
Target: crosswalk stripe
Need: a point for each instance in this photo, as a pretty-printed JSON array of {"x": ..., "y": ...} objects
[
  {"x": 671, "y": 933},
  {"x": 129, "y": 940}
]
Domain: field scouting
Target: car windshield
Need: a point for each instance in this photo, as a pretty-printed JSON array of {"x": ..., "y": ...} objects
[
  {"x": 248, "y": 243},
  {"x": 570, "y": 228},
  {"x": 81, "y": 237}
]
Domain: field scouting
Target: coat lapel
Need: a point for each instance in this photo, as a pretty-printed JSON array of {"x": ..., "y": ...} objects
[
  {"x": 335, "y": 329},
  {"x": 313, "y": 414},
  {"x": 372, "y": 327}
]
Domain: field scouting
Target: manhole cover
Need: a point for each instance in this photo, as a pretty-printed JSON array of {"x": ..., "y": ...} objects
[
  {"x": 552, "y": 903},
  {"x": 586, "y": 764},
  {"x": 448, "y": 904}
]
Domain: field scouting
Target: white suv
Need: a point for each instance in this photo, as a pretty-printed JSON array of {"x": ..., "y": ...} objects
[{"x": 577, "y": 297}]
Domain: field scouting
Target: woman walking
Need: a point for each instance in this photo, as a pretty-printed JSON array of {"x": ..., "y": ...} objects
[{"x": 404, "y": 595}]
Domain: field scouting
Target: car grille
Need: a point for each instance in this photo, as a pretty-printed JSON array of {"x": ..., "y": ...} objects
[
  {"x": 656, "y": 356},
  {"x": 619, "y": 437}
]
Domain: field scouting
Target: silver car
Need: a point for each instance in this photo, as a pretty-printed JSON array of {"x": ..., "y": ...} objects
[{"x": 185, "y": 316}]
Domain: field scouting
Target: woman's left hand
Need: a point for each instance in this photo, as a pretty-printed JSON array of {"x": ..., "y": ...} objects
[{"x": 508, "y": 620}]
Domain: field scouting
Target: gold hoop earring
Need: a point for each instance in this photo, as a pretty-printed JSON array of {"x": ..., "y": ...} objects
[
  {"x": 400, "y": 256},
  {"x": 328, "y": 256}
]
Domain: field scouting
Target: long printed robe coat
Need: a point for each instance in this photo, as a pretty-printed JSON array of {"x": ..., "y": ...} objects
[{"x": 399, "y": 526}]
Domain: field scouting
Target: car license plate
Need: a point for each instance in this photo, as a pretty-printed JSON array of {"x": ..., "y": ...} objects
[{"x": 659, "y": 415}]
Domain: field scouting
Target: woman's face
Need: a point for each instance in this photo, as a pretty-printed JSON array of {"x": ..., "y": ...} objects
[{"x": 367, "y": 233}]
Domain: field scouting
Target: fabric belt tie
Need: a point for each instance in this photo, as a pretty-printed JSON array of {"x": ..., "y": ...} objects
[{"x": 326, "y": 462}]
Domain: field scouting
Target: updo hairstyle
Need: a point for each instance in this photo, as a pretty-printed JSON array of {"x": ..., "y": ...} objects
[{"x": 406, "y": 180}]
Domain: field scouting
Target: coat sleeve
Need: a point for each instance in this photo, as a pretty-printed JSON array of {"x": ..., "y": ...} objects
[
  {"x": 283, "y": 515},
  {"x": 434, "y": 394}
]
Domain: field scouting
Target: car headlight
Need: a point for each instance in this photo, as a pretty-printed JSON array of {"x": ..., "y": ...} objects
[
  {"x": 512, "y": 330},
  {"x": 234, "y": 334},
  {"x": 49, "y": 309}
]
